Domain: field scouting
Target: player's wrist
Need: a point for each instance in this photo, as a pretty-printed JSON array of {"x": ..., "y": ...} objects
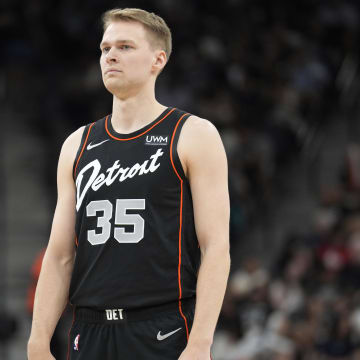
[
  {"x": 37, "y": 345},
  {"x": 201, "y": 343}
]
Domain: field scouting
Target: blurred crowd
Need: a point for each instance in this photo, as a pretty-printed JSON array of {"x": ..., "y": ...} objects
[
  {"x": 271, "y": 75},
  {"x": 307, "y": 306},
  {"x": 264, "y": 72}
]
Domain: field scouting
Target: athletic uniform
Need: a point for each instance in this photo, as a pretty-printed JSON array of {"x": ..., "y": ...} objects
[{"x": 137, "y": 255}]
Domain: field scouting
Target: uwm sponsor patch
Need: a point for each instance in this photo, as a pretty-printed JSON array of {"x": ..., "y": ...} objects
[{"x": 156, "y": 140}]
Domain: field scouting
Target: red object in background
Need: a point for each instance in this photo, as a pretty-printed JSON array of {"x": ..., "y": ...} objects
[
  {"x": 35, "y": 273},
  {"x": 333, "y": 256}
]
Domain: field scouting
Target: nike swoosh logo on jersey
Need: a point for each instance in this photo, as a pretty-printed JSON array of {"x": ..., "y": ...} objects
[
  {"x": 90, "y": 146},
  {"x": 163, "y": 337}
]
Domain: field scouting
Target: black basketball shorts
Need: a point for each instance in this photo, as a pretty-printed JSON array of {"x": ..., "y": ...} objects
[{"x": 155, "y": 333}]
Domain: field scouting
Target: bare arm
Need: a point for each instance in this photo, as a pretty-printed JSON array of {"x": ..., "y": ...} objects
[
  {"x": 53, "y": 286},
  {"x": 204, "y": 161}
]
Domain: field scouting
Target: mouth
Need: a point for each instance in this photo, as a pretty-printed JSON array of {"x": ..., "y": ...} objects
[{"x": 112, "y": 71}]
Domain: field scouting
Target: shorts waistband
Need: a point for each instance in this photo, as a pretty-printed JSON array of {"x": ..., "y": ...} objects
[{"x": 119, "y": 315}]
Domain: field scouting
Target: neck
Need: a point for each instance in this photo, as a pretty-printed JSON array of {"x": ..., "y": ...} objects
[{"x": 133, "y": 112}]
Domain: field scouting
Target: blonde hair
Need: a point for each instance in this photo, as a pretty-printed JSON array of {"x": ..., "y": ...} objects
[{"x": 159, "y": 33}]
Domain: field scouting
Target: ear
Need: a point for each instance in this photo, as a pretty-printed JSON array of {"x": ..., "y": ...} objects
[{"x": 160, "y": 60}]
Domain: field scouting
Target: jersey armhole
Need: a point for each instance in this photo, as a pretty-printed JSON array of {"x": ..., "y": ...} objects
[
  {"x": 178, "y": 168},
  {"x": 81, "y": 148}
]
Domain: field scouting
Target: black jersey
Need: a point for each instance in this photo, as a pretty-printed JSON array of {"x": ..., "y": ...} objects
[{"x": 136, "y": 244}]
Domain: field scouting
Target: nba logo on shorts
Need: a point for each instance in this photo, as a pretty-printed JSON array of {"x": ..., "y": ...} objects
[{"x": 76, "y": 342}]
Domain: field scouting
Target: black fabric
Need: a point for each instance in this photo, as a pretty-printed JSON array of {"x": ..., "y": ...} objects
[
  {"x": 100, "y": 316},
  {"x": 128, "y": 190},
  {"x": 83, "y": 138},
  {"x": 175, "y": 154},
  {"x": 131, "y": 340}
]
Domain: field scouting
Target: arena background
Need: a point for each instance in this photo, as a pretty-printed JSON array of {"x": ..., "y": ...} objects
[{"x": 280, "y": 80}]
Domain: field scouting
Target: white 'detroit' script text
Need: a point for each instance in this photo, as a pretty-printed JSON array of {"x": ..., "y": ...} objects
[{"x": 97, "y": 179}]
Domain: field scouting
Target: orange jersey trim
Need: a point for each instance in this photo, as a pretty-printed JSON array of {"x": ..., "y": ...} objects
[
  {"x": 83, "y": 148},
  {"x": 180, "y": 225},
  {"x": 171, "y": 146},
  {"x": 134, "y": 137}
]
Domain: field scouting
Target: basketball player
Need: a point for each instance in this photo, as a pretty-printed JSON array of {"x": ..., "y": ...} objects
[{"x": 139, "y": 241}]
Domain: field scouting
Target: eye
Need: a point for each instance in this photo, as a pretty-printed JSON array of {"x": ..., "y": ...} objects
[
  {"x": 105, "y": 49},
  {"x": 125, "y": 47}
]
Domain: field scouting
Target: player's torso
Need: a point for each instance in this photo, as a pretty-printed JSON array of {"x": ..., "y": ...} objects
[{"x": 132, "y": 200}]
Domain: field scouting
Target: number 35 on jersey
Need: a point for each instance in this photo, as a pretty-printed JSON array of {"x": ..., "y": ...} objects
[{"x": 103, "y": 209}]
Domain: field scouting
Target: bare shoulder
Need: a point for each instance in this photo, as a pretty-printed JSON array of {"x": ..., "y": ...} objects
[
  {"x": 198, "y": 132},
  {"x": 195, "y": 126},
  {"x": 72, "y": 143},
  {"x": 73, "y": 140},
  {"x": 199, "y": 140}
]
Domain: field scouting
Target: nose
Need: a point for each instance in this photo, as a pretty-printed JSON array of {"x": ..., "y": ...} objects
[{"x": 111, "y": 57}]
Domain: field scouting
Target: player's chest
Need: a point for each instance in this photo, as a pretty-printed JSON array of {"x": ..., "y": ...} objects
[{"x": 123, "y": 172}]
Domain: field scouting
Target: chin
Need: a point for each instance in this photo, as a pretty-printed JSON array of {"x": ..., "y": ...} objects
[{"x": 113, "y": 87}]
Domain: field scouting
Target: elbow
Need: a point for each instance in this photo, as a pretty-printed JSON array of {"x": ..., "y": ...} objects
[
  {"x": 61, "y": 259},
  {"x": 227, "y": 259},
  {"x": 219, "y": 249},
  {"x": 224, "y": 257}
]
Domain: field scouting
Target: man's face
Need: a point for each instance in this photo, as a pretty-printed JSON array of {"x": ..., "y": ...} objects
[{"x": 127, "y": 60}]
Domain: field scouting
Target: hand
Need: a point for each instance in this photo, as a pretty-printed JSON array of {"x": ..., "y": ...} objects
[
  {"x": 195, "y": 353},
  {"x": 39, "y": 352}
]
